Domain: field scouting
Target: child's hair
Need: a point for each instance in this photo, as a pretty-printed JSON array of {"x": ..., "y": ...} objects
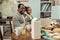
[{"x": 26, "y": 9}]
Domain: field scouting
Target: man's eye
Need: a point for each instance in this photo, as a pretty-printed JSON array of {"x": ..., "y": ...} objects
[{"x": 22, "y": 8}]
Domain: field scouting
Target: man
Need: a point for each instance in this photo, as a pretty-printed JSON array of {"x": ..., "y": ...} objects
[{"x": 20, "y": 17}]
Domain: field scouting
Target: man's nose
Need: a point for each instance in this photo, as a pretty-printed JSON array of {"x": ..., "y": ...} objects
[{"x": 23, "y": 9}]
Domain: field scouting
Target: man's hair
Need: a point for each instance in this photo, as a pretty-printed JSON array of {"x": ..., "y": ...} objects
[{"x": 20, "y": 5}]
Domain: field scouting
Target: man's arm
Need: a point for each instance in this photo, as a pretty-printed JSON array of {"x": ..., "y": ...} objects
[{"x": 20, "y": 19}]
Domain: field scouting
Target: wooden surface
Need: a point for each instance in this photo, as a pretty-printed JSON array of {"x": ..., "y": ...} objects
[
  {"x": 1, "y": 37},
  {"x": 27, "y": 36}
]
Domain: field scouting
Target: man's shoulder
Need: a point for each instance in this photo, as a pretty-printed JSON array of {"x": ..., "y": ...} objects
[{"x": 16, "y": 15}]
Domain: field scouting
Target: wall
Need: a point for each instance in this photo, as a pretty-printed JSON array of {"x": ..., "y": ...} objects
[
  {"x": 35, "y": 5},
  {"x": 9, "y": 7},
  {"x": 25, "y": 3},
  {"x": 55, "y": 12}
]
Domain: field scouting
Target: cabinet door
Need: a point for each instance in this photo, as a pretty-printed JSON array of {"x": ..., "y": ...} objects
[{"x": 55, "y": 12}]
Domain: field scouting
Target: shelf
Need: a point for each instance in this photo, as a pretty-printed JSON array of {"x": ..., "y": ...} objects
[
  {"x": 46, "y": 2},
  {"x": 45, "y": 8},
  {"x": 45, "y": 11},
  {"x": 45, "y": 15}
]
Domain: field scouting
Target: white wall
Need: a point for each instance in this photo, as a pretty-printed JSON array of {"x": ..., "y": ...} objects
[
  {"x": 35, "y": 5},
  {"x": 25, "y": 3},
  {"x": 55, "y": 12},
  {"x": 9, "y": 8}
]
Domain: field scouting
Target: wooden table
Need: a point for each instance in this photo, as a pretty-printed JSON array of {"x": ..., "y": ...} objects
[{"x": 27, "y": 36}]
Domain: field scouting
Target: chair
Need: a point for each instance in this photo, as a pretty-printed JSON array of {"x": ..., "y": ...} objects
[
  {"x": 1, "y": 33},
  {"x": 9, "y": 22}
]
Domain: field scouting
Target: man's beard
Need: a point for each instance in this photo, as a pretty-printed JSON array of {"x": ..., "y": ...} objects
[{"x": 21, "y": 13}]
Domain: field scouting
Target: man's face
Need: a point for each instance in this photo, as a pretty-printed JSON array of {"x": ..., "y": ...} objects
[{"x": 22, "y": 9}]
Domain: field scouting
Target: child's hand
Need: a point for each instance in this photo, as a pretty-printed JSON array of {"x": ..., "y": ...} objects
[{"x": 27, "y": 19}]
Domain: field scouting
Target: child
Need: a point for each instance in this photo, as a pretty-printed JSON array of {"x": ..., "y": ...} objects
[
  {"x": 28, "y": 15},
  {"x": 28, "y": 18}
]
